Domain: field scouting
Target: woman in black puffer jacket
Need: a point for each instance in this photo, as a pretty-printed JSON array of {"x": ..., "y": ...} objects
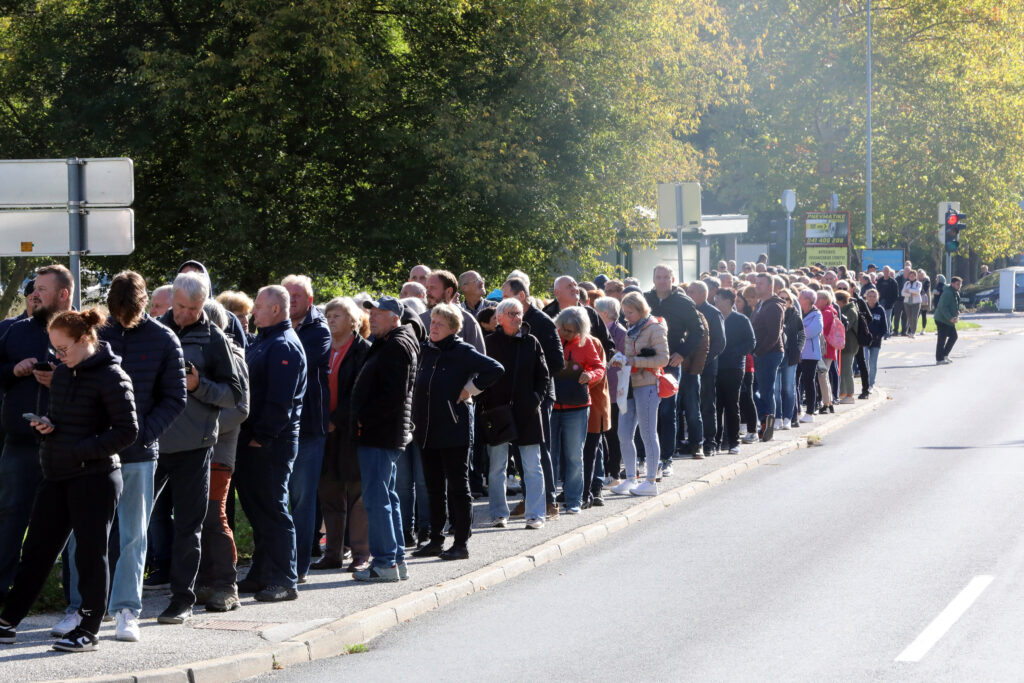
[
  {"x": 91, "y": 418},
  {"x": 785, "y": 383}
]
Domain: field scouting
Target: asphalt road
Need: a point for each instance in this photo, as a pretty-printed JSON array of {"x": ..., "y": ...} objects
[{"x": 892, "y": 553}]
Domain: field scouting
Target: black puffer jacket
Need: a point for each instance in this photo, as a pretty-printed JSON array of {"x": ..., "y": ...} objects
[
  {"x": 381, "y": 409},
  {"x": 524, "y": 384},
  {"x": 340, "y": 461},
  {"x": 793, "y": 328},
  {"x": 151, "y": 355},
  {"x": 92, "y": 407},
  {"x": 26, "y": 338},
  {"x": 445, "y": 367}
]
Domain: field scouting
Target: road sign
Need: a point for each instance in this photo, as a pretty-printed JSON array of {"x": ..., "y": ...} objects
[
  {"x": 789, "y": 200},
  {"x": 679, "y": 206},
  {"x": 945, "y": 206},
  {"x": 45, "y": 232},
  {"x": 44, "y": 182}
]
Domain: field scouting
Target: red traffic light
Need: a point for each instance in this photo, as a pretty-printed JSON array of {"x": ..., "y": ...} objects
[{"x": 952, "y": 218}]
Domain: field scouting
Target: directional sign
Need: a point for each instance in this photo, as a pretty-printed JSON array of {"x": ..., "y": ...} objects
[
  {"x": 44, "y": 183},
  {"x": 45, "y": 232}
]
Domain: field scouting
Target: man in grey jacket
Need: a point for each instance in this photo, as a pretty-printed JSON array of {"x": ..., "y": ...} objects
[{"x": 186, "y": 448}]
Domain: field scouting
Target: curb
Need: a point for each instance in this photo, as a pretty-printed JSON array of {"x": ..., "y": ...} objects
[{"x": 339, "y": 636}]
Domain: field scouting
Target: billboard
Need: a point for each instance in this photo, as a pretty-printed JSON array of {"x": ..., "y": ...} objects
[
  {"x": 882, "y": 257},
  {"x": 827, "y": 229},
  {"x": 828, "y": 256}
]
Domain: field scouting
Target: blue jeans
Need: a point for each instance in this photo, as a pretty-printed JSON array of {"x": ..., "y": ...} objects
[
  {"x": 411, "y": 485},
  {"x": 533, "y": 480},
  {"x": 261, "y": 481},
  {"x": 888, "y": 321},
  {"x": 302, "y": 487},
  {"x": 689, "y": 397},
  {"x": 668, "y": 419},
  {"x": 785, "y": 391},
  {"x": 871, "y": 352},
  {"x": 133, "y": 510},
  {"x": 568, "y": 432},
  {"x": 765, "y": 369},
  {"x": 378, "y": 468},
  {"x": 20, "y": 476},
  {"x": 642, "y": 409}
]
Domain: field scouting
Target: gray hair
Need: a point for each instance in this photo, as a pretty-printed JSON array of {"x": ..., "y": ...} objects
[
  {"x": 193, "y": 284},
  {"x": 575, "y": 316},
  {"x": 508, "y": 305},
  {"x": 216, "y": 312},
  {"x": 808, "y": 294},
  {"x": 699, "y": 286},
  {"x": 277, "y": 295},
  {"x": 520, "y": 275},
  {"x": 349, "y": 307},
  {"x": 413, "y": 303},
  {"x": 609, "y": 305},
  {"x": 414, "y": 290},
  {"x": 450, "y": 314},
  {"x": 163, "y": 288}
]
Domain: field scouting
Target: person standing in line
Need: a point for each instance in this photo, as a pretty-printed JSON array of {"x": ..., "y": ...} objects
[
  {"x": 608, "y": 308},
  {"x": 785, "y": 380},
  {"x": 739, "y": 342},
  {"x": 811, "y": 354},
  {"x": 825, "y": 302},
  {"x": 269, "y": 444},
  {"x": 700, "y": 292},
  {"x": 912, "y": 296},
  {"x": 876, "y": 325},
  {"x": 474, "y": 295},
  {"x": 888, "y": 295},
  {"x": 90, "y": 418},
  {"x": 926, "y": 297},
  {"x": 947, "y": 314},
  {"x": 849, "y": 309},
  {"x": 767, "y": 322}
]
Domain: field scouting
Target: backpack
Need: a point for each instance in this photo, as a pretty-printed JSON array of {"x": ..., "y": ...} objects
[{"x": 836, "y": 336}]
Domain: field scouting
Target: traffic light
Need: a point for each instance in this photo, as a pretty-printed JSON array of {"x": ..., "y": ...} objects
[{"x": 955, "y": 222}]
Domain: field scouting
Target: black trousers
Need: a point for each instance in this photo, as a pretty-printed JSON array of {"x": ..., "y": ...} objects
[
  {"x": 591, "y": 486},
  {"x": 947, "y": 337},
  {"x": 862, "y": 368},
  {"x": 188, "y": 473},
  {"x": 447, "y": 473},
  {"x": 899, "y": 317},
  {"x": 729, "y": 381},
  {"x": 809, "y": 383},
  {"x": 86, "y": 506},
  {"x": 748, "y": 411},
  {"x": 709, "y": 404},
  {"x": 612, "y": 452}
]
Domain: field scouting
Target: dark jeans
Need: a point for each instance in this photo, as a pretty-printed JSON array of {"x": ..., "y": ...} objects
[
  {"x": 668, "y": 420},
  {"x": 20, "y": 476},
  {"x": 809, "y": 383},
  {"x": 748, "y": 412},
  {"x": 612, "y": 452},
  {"x": 261, "y": 479},
  {"x": 947, "y": 337},
  {"x": 546, "y": 406},
  {"x": 160, "y": 535},
  {"x": 862, "y": 368},
  {"x": 766, "y": 368},
  {"x": 189, "y": 475},
  {"x": 86, "y": 506},
  {"x": 217, "y": 563},
  {"x": 729, "y": 381},
  {"x": 342, "y": 503},
  {"x": 447, "y": 472},
  {"x": 591, "y": 486},
  {"x": 709, "y": 404},
  {"x": 899, "y": 317}
]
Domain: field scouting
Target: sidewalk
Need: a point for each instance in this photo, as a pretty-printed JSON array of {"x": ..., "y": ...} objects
[{"x": 334, "y": 611}]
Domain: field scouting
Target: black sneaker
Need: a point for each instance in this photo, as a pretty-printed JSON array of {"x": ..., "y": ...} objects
[
  {"x": 456, "y": 552},
  {"x": 431, "y": 549},
  {"x": 248, "y": 585},
  {"x": 175, "y": 614},
  {"x": 78, "y": 640},
  {"x": 277, "y": 594},
  {"x": 7, "y": 634},
  {"x": 598, "y": 502},
  {"x": 156, "y": 580}
]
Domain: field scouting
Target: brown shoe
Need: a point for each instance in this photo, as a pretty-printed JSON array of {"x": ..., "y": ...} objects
[
  {"x": 552, "y": 511},
  {"x": 358, "y": 564},
  {"x": 325, "y": 563},
  {"x": 519, "y": 510}
]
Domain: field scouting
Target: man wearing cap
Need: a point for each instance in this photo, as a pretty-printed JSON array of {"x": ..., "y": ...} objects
[{"x": 381, "y": 419}]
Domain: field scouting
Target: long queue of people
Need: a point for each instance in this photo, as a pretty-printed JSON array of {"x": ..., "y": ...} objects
[{"x": 373, "y": 423}]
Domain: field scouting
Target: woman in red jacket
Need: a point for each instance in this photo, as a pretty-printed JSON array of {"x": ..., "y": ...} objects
[
  {"x": 824, "y": 302},
  {"x": 584, "y": 366}
]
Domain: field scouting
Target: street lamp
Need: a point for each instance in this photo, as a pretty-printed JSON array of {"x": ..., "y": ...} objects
[{"x": 789, "y": 203}]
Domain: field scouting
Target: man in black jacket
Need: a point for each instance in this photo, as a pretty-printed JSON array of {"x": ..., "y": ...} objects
[
  {"x": 567, "y": 293},
  {"x": 686, "y": 333},
  {"x": 543, "y": 328},
  {"x": 151, "y": 355},
  {"x": 187, "y": 446},
  {"x": 888, "y": 294},
  {"x": 269, "y": 443},
  {"x": 698, "y": 291},
  {"x": 381, "y": 418},
  {"x": 25, "y": 345}
]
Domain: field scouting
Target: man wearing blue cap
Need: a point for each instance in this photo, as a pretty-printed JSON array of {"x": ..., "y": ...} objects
[{"x": 381, "y": 419}]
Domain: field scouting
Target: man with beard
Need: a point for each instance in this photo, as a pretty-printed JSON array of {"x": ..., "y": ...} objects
[{"x": 26, "y": 369}]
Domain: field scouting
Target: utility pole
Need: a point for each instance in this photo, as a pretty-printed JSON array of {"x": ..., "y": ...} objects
[{"x": 867, "y": 211}]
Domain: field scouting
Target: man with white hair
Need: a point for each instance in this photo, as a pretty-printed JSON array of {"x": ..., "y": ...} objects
[
  {"x": 474, "y": 295},
  {"x": 310, "y": 326},
  {"x": 187, "y": 446},
  {"x": 268, "y": 445},
  {"x": 419, "y": 274},
  {"x": 160, "y": 301}
]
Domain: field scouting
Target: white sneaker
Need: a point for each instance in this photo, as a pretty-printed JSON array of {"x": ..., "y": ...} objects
[
  {"x": 735, "y": 450},
  {"x": 807, "y": 418},
  {"x": 645, "y": 488},
  {"x": 624, "y": 487},
  {"x": 535, "y": 523},
  {"x": 499, "y": 522},
  {"x": 127, "y": 627},
  {"x": 666, "y": 469},
  {"x": 512, "y": 484},
  {"x": 66, "y": 625},
  {"x": 784, "y": 425},
  {"x": 750, "y": 437}
]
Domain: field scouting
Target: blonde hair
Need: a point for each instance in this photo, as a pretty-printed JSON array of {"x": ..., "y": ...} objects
[
  {"x": 300, "y": 280},
  {"x": 450, "y": 314},
  {"x": 238, "y": 303},
  {"x": 637, "y": 302}
]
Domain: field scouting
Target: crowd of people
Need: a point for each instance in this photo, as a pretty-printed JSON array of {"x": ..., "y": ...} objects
[{"x": 364, "y": 428}]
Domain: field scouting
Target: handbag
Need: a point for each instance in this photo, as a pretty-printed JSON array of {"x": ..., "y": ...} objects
[
  {"x": 668, "y": 385},
  {"x": 500, "y": 421}
]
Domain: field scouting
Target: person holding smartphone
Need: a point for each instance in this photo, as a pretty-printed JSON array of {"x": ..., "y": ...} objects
[{"x": 91, "y": 418}]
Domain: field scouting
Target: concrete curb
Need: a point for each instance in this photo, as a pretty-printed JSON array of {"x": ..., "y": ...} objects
[{"x": 340, "y": 636}]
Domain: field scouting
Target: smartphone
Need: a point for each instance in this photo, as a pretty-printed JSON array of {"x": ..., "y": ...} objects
[
  {"x": 189, "y": 367},
  {"x": 43, "y": 367},
  {"x": 32, "y": 417}
]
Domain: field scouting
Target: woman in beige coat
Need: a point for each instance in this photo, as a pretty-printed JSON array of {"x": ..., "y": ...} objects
[{"x": 646, "y": 353}]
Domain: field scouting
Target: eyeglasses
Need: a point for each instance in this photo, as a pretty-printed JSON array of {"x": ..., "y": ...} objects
[
  {"x": 513, "y": 314},
  {"x": 61, "y": 351}
]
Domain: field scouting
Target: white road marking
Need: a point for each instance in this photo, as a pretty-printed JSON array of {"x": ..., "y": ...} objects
[{"x": 942, "y": 623}]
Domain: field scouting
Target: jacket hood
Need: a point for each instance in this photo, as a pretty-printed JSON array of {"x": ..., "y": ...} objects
[
  {"x": 202, "y": 268},
  {"x": 411, "y": 319}
]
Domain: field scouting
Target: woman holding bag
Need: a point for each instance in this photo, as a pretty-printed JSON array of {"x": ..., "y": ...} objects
[{"x": 646, "y": 353}]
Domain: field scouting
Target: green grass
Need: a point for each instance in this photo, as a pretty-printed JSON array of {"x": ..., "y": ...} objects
[
  {"x": 51, "y": 598},
  {"x": 962, "y": 325}
]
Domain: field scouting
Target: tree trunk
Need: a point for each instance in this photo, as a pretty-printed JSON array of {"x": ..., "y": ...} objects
[{"x": 12, "y": 288}]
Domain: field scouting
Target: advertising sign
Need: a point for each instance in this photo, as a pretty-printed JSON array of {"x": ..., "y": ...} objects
[
  {"x": 827, "y": 229},
  {"x": 882, "y": 257},
  {"x": 828, "y": 256}
]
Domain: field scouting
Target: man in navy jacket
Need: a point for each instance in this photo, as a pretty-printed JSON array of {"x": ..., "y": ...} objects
[
  {"x": 268, "y": 444},
  {"x": 311, "y": 327}
]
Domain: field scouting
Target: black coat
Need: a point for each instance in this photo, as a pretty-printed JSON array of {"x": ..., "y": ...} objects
[
  {"x": 793, "y": 328},
  {"x": 524, "y": 384},
  {"x": 686, "y": 328},
  {"x": 441, "y": 420},
  {"x": 92, "y": 408},
  {"x": 26, "y": 338},
  {"x": 340, "y": 461},
  {"x": 151, "y": 355},
  {"x": 543, "y": 328},
  {"x": 381, "y": 409}
]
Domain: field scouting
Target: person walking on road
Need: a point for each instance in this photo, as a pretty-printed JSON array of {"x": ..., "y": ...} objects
[{"x": 946, "y": 315}]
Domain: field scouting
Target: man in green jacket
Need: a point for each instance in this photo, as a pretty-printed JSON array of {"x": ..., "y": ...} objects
[{"x": 947, "y": 312}]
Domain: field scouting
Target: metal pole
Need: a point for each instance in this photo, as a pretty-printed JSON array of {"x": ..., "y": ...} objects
[
  {"x": 75, "y": 219},
  {"x": 949, "y": 267},
  {"x": 789, "y": 232},
  {"x": 679, "y": 233},
  {"x": 867, "y": 217}
]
